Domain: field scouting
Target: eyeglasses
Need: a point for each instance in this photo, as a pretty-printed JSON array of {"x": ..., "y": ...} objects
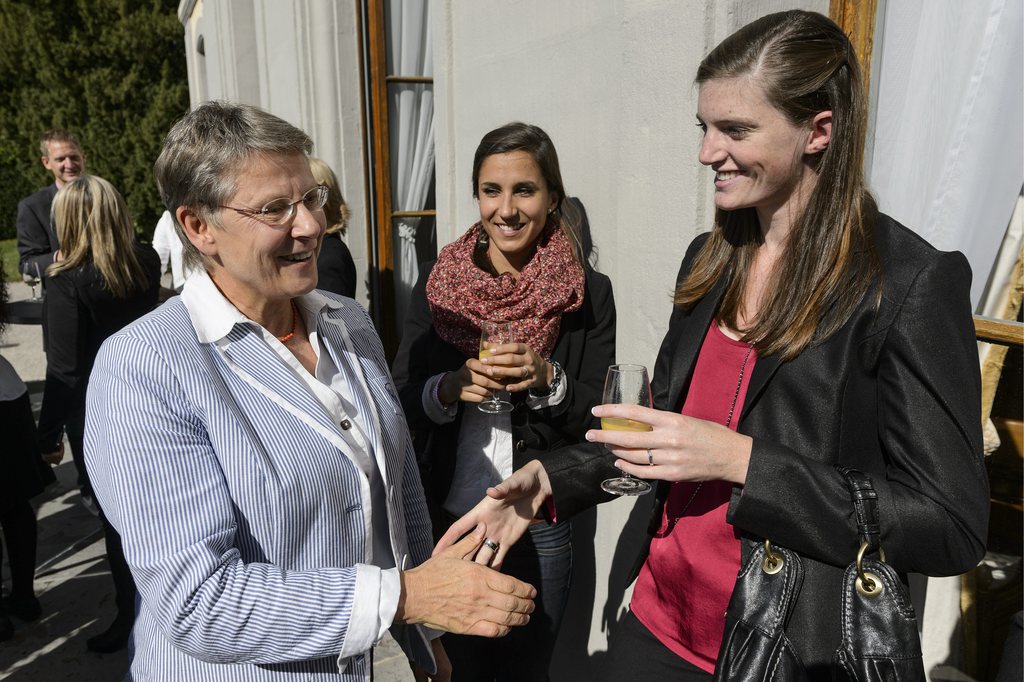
[{"x": 280, "y": 211}]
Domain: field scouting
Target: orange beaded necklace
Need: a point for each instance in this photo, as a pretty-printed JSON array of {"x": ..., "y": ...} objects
[{"x": 295, "y": 320}]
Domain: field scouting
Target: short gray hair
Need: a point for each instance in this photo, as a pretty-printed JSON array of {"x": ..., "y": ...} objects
[{"x": 205, "y": 151}]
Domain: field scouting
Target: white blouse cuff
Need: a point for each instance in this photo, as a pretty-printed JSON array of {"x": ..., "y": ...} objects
[{"x": 373, "y": 609}]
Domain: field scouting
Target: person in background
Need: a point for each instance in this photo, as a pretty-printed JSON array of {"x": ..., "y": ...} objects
[
  {"x": 247, "y": 442},
  {"x": 168, "y": 247},
  {"x": 522, "y": 262},
  {"x": 62, "y": 156},
  {"x": 102, "y": 280},
  {"x": 23, "y": 475},
  {"x": 336, "y": 269},
  {"x": 810, "y": 332}
]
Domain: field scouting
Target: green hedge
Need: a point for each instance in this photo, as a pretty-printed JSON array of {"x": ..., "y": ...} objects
[
  {"x": 9, "y": 258},
  {"x": 111, "y": 71}
]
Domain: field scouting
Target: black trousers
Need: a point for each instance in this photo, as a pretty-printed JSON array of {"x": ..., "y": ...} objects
[{"x": 636, "y": 654}]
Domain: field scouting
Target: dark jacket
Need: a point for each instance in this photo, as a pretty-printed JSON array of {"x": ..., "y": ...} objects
[
  {"x": 80, "y": 313},
  {"x": 37, "y": 238},
  {"x": 585, "y": 347},
  {"x": 335, "y": 268},
  {"x": 896, "y": 394}
]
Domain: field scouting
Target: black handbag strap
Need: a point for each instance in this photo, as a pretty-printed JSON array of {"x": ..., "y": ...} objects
[{"x": 865, "y": 504}]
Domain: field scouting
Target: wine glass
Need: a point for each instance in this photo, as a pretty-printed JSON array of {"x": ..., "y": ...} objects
[
  {"x": 493, "y": 333},
  {"x": 32, "y": 278},
  {"x": 626, "y": 384}
]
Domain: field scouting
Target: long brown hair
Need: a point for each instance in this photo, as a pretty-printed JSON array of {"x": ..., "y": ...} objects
[
  {"x": 805, "y": 65},
  {"x": 93, "y": 226}
]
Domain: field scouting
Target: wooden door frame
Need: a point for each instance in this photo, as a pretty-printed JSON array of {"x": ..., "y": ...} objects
[{"x": 381, "y": 218}]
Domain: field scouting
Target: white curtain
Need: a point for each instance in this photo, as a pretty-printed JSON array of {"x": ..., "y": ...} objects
[
  {"x": 947, "y": 156},
  {"x": 411, "y": 121}
]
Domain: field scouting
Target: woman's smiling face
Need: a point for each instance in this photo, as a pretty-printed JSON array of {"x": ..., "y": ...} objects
[
  {"x": 254, "y": 263},
  {"x": 757, "y": 153},
  {"x": 514, "y": 205}
]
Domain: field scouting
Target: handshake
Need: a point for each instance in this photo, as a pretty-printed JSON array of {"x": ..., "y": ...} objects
[{"x": 459, "y": 589}]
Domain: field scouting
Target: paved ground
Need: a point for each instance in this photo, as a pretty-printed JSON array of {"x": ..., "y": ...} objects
[{"x": 72, "y": 580}]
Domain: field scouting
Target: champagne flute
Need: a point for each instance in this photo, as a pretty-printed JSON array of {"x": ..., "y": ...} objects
[
  {"x": 626, "y": 384},
  {"x": 492, "y": 334},
  {"x": 31, "y": 279}
]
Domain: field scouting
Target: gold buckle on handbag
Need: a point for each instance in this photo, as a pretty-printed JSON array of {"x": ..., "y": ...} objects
[
  {"x": 773, "y": 562},
  {"x": 868, "y": 583}
]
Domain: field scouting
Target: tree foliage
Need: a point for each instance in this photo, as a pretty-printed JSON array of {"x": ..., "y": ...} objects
[{"x": 111, "y": 71}]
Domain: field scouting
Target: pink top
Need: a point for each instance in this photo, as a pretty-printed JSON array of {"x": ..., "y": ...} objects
[{"x": 685, "y": 584}]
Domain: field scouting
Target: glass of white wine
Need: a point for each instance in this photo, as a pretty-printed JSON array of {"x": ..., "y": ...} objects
[
  {"x": 626, "y": 384},
  {"x": 32, "y": 278},
  {"x": 492, "y": 334}
]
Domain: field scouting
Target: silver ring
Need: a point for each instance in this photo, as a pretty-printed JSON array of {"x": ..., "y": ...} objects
[
  {"x": 526, "y": 372},
  {"x": 650, "y": 458},
  {"x": 491, "y": 544}
]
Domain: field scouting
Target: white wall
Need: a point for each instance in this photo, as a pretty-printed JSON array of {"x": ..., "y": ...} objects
[
  {"x": 610, "y": 82},
  {"x": 300, "y": 61}
]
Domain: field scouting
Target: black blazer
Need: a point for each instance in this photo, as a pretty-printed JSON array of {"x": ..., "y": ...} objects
[
  {"x": 896, "y": 394},
  {"x": 335, "y": 268},
  {"x": 80, "y": 314},
  {"x": 585, "y": 347},
  {"x": 37, "y": 238}
]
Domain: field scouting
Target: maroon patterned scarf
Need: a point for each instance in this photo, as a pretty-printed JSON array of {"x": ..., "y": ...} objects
[{"x": 461, "y": 295}]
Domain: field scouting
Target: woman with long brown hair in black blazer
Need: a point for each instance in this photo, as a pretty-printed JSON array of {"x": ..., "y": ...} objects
[{"x": 810, "y": 332}]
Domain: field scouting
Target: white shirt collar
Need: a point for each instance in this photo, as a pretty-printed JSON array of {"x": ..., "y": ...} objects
[{"x": 214, "y": 316}]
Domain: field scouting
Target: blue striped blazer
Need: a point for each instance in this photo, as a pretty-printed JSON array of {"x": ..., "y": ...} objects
[{"x": 239, "y": 512}]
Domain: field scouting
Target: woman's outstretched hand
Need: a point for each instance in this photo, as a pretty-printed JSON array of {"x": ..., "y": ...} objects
[
  {"x": 507, "y": 511},
  {"x": 677, "y": 448}
]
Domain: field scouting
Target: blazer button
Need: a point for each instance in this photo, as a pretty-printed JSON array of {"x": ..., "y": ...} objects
[
  {"x": 345, "y": 424},
  {"x": 521, "y": 446}
]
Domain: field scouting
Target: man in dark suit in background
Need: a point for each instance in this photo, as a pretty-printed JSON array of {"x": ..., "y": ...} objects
[{"x": 37, "y": 239}]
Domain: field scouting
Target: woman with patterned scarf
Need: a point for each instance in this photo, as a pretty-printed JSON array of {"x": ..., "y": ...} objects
[{"x": 522, "y": 263}]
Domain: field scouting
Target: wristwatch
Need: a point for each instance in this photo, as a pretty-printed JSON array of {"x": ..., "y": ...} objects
[{"x": 555, "y": 381}]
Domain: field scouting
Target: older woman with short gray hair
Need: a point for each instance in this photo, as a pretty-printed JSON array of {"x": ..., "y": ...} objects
[{"x": 247, "y": 442}]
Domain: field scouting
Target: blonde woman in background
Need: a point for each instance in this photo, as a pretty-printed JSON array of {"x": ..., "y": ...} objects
[
  {"x": 103, "y": 279},
  {"x": 335, "y": 267}
]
